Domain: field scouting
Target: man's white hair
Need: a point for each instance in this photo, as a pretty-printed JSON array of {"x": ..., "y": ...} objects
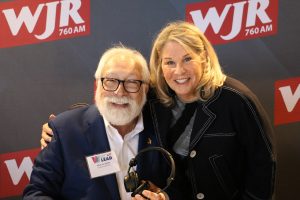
[{"x": 121, "y": 50}]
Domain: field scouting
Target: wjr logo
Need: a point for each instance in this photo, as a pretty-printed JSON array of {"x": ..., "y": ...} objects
[
  {"x": 233, "y": 20},
  {"x": 287, "y": 101},
  {"x": 15, "y": 171},
  {"x": 28, "y": 22}
]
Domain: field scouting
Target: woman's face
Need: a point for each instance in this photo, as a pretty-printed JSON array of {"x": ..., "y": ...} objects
[{"x": 180, "y": 70}]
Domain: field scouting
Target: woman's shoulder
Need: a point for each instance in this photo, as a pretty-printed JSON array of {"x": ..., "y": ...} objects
[
  {"x": 235, "y": 94},
  {"x": 236, "y": 89},
  {"x": 232, "y": 92}
]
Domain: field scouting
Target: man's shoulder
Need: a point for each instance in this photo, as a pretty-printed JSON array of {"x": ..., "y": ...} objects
[{"x": 80, "y": 116}]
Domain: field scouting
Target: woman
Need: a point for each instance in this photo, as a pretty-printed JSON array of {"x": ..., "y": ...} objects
[{"x": 214, "y": 126}]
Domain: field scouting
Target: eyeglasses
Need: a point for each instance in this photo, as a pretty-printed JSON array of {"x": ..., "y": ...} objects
[{"x": 130, "y": 85}]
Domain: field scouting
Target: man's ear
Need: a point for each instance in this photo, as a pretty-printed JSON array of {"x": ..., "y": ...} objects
[
  {"x": 146, "y": 88},
  {"x": 95, "y": 86},
  {"x": 96, "y": 82}
]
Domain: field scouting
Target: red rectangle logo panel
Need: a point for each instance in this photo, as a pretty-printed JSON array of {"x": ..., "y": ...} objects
[
  {"x": 233, "y": 20},
  {"x": 15, "y": 170},
  {"x": 29, "y": 22},
  {"x": 287, "y": 101}
]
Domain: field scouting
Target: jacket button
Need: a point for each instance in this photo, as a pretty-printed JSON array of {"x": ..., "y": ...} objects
[
  {"x": 193, "y": 154},
  {"x": 200, "y": 196}
]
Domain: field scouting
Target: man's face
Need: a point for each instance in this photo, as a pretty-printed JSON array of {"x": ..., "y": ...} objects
[{"x": 120, "y": 107}]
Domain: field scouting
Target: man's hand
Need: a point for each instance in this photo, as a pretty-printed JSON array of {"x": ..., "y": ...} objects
[{"x": 46, "y": 133}]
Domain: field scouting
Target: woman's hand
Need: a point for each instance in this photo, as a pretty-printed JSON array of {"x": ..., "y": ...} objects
[
  {"x": 150, "y": 195},
  {"x": 153, "y": 193}
]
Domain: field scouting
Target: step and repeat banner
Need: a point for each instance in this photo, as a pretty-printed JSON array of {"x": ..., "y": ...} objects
[{"x": 49, "y": 51}]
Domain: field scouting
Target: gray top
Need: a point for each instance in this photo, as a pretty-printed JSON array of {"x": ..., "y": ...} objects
[{"x": 181, "y": 146}]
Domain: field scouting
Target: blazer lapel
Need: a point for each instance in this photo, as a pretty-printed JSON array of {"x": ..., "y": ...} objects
[
  {"x": 161, "y": 117},
  {"x": 146, "y": 139},
  {"x": 151, "y": 164},
  {"x": 98, "y": 142},
  {"x": 203, "y": 119}
]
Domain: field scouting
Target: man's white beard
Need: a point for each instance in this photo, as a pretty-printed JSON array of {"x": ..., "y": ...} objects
[{"x": 119, "y": 116}]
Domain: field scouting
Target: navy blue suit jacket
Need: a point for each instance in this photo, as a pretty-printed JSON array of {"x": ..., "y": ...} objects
[{"x": 61, "y": 172}]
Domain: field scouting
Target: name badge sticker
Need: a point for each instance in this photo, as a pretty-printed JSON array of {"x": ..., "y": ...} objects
[{"x": 103, "y": 164}]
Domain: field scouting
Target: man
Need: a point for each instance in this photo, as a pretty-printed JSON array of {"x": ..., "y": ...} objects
[{"x": 89, "y": 154}]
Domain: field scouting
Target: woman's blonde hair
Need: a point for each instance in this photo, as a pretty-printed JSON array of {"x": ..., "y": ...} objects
[{"x": 194, "y": 41}]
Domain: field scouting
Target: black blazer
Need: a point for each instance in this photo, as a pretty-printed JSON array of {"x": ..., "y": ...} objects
[{"x": 231, "y": 155}]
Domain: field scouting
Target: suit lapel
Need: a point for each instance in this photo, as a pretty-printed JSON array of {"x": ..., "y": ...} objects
[
  {"x": 161, "y": 117},
  {"x": 146, "y": 139},
  {"x": 98, "y": 143}
]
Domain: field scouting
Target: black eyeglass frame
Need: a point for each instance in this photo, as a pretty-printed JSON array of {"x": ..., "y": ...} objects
[{"x": 123, "y": 83}]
